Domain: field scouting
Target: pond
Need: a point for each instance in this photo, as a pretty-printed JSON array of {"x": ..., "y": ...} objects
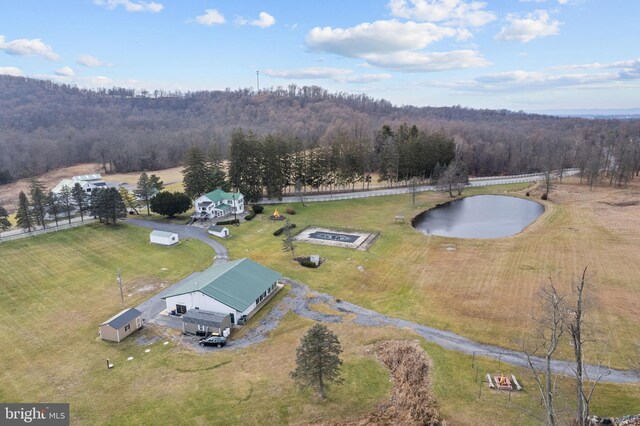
[{"x": 480, "y": 216}]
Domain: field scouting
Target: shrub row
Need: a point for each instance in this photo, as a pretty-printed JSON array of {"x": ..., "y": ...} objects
[
  {"x": 250, "y": 216},
  {"x": 281, "y": 230},
  {"x": 257, "y": 208},
  {"x": 228, "y": 222}
]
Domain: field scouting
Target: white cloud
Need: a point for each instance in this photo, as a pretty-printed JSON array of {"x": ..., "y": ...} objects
[
  {"x": 396, "y": 45},
  {"x": 131, "y": 5},
  {"x": 339, "y": 75},
  {"x": 447, "y": 12},
  {"x": 620, "y": 72},
  {"x": 264, "y": 20},
  {"x": 26, "y": 47},
  {"x": 91, "y": 61},
  {"x": 16, "y": 72},
  {"x": 65, "y": 72},
  {"x": 534, "y": 25},
  {"x": 210, "y": 17},
  {"x": 429, "y": 61},
  {"x": 379, "y": 37}
]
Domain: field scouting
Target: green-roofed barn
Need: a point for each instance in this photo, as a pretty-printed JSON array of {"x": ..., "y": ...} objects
[{"x": 239, "y": 288}]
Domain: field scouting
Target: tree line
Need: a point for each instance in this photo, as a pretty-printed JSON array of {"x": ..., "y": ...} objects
[
  {"x": 41, "y": 207},
  {"x": 45, "y": 126},
  {"x": 274, "y": 165}
]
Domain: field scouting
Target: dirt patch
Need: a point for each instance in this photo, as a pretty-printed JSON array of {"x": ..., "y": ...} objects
[{"x": 412, "y": 401}]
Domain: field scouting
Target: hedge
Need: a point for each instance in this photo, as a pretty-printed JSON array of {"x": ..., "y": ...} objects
[{"x": 228, "y": 222}]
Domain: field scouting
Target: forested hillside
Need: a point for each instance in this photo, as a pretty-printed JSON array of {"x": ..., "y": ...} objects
[{"x": 44, "y": 125}]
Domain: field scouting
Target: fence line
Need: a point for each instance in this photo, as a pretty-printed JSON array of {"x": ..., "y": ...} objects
[{"x": 35, "y": 232}]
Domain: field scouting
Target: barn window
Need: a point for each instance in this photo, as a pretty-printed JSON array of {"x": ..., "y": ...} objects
[{"x": 127, "y": 327}]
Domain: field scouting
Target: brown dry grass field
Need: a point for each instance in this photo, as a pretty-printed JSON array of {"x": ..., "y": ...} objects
[
  {"x": 484, "y": 289},
  {"x": 9, "y": 193}
]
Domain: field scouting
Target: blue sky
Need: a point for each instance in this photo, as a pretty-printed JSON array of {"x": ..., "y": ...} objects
[{"x": 515, "y": 54}]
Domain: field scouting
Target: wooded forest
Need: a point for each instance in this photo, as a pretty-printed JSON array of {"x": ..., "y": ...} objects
[{"x": 44, "y": 125}]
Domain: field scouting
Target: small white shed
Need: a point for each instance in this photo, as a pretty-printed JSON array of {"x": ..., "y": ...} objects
[
  {"x": 219, "y": 231},
  {"x": 163, "y": 238}
]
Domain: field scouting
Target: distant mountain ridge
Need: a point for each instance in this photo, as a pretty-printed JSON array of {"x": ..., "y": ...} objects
[{"x": 44, "y": 125}]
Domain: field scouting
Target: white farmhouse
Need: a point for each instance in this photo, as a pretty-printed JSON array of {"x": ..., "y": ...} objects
[
  {"x": 239, "y": 289},
  {"x": 218, "y": 203},
  {"x": 87, "y": 182},
  {"x": 163, "y": 238}
]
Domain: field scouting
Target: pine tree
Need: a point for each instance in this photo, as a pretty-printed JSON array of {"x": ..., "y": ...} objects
[
  {"x": 107, "y": 205},
  {"x": 318, "y": 360},
  {"x": 196, "y": 172},
  {"x": 65, "y": 198},
  {"x": 147, "y": 187},
  {"x": 23, "y": 215},
  {"x": 80, "y": 198},
  {"x": 38, "y": 195},
  {"x": 245, "y": 169},
  {"x": 4, "y": 219},
  {"x": 53, "y": 206}
]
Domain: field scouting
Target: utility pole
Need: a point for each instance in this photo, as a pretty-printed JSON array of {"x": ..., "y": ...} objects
[
  {"x": 120, "y": 284},
  {"x": 258, "y": 80}
]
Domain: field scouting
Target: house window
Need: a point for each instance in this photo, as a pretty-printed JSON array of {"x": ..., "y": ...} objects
[
  {"x": 257, "y": 301},
  {"x": 127, "y": 327}
]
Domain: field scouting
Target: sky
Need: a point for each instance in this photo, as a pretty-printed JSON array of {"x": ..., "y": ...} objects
[{"x": 531, "y": 55}]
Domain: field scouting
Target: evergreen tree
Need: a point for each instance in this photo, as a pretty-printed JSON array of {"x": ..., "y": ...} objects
[
  {"x": 245, "y": 169},
  {"x": 273, "y": 178},
  {"x": 23, "y": 215},
  {"x": 38, "y": 195},
  {"x": 318, "y": 360},
  {"x": 66, "y": 201},
  {"x": 4, "y": 219},
  {"x": 219, "y": 180},
  {"x": 196, "y": 172},
  {"x": 170, "y": 203},
  {"x": 53, "y": 206},
  {"x": 107, "y": 205},
  {"x": 129, "y": 199},
  {"x": 81, "y": 199},
  {"x": 147, "y": 187}
]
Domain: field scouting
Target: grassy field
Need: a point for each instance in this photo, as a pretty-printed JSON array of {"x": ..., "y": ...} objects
[
  {"x": 484, "y": 289},
  {"x": 57, "y": 288}
]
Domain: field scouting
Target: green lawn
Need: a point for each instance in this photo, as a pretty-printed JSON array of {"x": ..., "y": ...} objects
[{"x": 56, "y": 289}]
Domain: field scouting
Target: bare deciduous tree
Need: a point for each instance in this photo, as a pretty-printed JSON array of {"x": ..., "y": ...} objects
[
  {"x": 578, "y": 335},
  {"x": 551, "y": 327}
]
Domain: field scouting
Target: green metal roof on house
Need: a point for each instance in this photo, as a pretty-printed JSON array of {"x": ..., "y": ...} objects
[
  {"x": 219, "y": 195},
  {"x": 236, "y": 284}
]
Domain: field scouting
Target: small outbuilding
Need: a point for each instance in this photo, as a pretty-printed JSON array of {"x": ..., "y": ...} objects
[
  {"x": 163, "y": 238},
  {"x": 199, "y": 321},
  {"x": 121, "y": 325},
  {"x": 219, "y": 231}
]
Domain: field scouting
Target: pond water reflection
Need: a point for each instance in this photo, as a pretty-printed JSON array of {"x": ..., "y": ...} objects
[{"x": 480, "y": 216}]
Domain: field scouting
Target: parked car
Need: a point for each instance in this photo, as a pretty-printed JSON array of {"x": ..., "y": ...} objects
[{"x": 217, "y": 341}]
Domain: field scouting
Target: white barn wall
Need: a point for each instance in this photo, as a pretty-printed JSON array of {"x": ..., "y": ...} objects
[{"x": 201, "y": 301}]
